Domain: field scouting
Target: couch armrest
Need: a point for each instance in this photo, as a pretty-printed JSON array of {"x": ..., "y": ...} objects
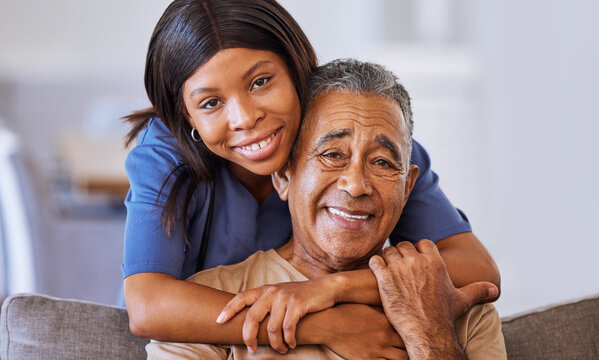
[
  {"x": 564, "y": 331},
  {"x": 43, "y": 327}
]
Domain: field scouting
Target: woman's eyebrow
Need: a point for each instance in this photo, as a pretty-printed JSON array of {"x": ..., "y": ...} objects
[
  {"x": 253, "y": 68},
  {"x": 200, "y": 90}
]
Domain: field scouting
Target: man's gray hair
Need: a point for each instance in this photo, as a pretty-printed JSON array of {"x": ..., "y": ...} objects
[{"x": 362, "y": 78}]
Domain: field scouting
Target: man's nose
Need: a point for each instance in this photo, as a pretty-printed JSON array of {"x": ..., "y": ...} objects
[
  {"x": 244, "y": 113},
  {"x": 355, "y": 181}
]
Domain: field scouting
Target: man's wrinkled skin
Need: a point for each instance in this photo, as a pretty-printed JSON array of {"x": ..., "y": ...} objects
[{"x": 420, "y": 301}]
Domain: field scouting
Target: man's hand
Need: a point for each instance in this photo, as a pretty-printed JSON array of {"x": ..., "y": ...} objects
[{"x": 420, "y": 300}]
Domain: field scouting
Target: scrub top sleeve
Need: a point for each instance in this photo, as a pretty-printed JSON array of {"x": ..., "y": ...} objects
[
  {"x": 147, "y": 246},
  {"x": 428, "y": 213}
]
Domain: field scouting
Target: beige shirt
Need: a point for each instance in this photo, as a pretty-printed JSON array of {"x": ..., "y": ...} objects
[{"x": 478, "y": 331}]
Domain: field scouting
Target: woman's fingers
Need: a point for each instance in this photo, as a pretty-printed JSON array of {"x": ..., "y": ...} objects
[
  {"x": 238, "y": 303},
  {"x": 251, "y": 325},
  {"x": 292, "y": 317},
  {"x": 274, "y": 327}
]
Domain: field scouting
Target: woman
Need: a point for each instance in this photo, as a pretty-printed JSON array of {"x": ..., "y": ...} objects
[{"x": 226, "y": 80}]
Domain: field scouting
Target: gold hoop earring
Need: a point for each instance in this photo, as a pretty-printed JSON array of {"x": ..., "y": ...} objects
[{"x": 195, "y": 135}]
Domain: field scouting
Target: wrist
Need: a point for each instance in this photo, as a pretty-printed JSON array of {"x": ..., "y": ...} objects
[
  {"x": 356, "y": 286},
  {"x": 435, "y": 345},
  {"x": 339, "y": 286},
  {"x": 315, "y": 328}
]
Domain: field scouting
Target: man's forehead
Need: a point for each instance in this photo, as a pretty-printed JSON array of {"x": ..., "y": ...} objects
[{"x": 344, "y": 113}]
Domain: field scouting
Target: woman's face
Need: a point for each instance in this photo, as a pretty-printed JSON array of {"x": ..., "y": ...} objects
[{"x": 245, "y": 107}]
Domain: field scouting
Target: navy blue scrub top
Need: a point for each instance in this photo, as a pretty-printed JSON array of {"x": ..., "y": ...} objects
[{"x": 240, "y": 226}]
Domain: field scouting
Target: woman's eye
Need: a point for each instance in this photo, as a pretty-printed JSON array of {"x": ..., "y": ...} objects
[
  {"x": 260, "y": 82},
  {"x": 210, "y": 104}
]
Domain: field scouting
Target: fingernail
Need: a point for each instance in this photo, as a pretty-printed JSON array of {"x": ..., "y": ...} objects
[
  {"x": 492, "y": 292},
  {"x": 251, "y": 349},
  {"x": 220, "y": 318}
]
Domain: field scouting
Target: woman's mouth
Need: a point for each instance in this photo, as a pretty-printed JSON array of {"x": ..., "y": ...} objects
[
  {"x": 259, "y": 145},
  {"x": 261, "y": 149}
]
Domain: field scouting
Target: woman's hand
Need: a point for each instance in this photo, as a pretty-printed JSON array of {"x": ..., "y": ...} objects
[
  {"x": 286, "y": 303},
  {"x": 356, "y": 331}
]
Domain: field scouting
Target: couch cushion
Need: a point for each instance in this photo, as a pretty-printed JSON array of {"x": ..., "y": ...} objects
[
  {"x": 42, "y": 327},
  {"x": 566, "y": 331}
]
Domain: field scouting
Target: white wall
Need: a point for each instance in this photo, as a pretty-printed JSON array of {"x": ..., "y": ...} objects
[
  {"x": 506, "y": 107},
  {"x": 541, "y": 88}
]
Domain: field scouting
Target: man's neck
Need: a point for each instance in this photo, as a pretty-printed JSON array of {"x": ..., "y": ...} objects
[{"x": 309, "y": 266}]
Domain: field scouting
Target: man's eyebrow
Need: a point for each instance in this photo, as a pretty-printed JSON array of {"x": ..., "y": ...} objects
[
  {"x": 391, "y": 146},
  {"x": 244, "y": 77},
  {"x": 331, "y": 135}
]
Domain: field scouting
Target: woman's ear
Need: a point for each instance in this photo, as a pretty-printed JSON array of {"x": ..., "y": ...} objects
[{"x": 280, "y": 180}]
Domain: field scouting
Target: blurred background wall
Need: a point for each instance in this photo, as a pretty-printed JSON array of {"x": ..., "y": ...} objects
[{"x": 504, "y": 95}]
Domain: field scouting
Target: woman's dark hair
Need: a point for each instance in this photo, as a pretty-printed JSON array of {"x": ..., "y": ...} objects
[{"x": 189, "y": 34}]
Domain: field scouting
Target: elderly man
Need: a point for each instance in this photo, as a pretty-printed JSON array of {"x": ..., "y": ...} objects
[{"x": 347, "y": 181}]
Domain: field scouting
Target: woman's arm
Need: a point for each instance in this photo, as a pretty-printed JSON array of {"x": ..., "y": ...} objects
[
  {"x": 466, "y": 259},
  {"x": 164, "y": 308}
]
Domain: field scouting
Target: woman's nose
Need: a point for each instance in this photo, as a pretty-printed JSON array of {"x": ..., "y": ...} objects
[{"x": 244, "y": 113}]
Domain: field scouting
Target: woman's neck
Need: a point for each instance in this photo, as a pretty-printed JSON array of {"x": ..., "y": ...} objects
[{"x": 260, "y": 186}]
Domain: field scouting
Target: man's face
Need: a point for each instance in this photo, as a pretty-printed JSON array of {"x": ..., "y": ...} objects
[{"x": 349, "y": 180}]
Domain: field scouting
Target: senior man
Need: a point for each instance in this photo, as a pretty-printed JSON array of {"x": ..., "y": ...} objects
[{"x": 346, "y": 183}]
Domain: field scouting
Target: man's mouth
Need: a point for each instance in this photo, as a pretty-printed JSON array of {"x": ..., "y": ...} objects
[{"x": 347, "y": 216}]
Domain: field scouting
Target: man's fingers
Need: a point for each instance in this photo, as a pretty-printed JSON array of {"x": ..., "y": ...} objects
[
  {"x": 377, "y": 264},
  {"x": 426, "y": 246},
  {"x": 391, "y": 255},
  {"x": 238, "y": 303},
  {"x": 406, "y": 248},
  {"x": 475, "y": 293}
]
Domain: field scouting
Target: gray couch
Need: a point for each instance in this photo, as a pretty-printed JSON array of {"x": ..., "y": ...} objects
[{"x": 42, "y": 327}]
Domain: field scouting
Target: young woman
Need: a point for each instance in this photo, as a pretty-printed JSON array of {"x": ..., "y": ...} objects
[{"x": 226, "y": 80}]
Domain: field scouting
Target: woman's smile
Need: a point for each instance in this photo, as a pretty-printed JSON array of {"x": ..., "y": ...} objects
[
  {"x": 261, "y": 148},
  {"x": 245, "y": 107}
]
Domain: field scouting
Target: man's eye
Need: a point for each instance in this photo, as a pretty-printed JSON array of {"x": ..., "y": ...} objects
[
  {"x": 210, "y": 104},
  {"x": 333, "y": 155},
  {"x": 260, "y": 82},
  {"x": 383, "y": 163}
]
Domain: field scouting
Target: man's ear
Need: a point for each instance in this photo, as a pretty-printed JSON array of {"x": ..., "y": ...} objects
[
  {"x": 410, "y": 181},
  {"x": 280, "y": 180}
]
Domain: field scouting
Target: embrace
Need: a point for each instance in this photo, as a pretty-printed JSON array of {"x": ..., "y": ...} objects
[{"x": 272, "y": 185}]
